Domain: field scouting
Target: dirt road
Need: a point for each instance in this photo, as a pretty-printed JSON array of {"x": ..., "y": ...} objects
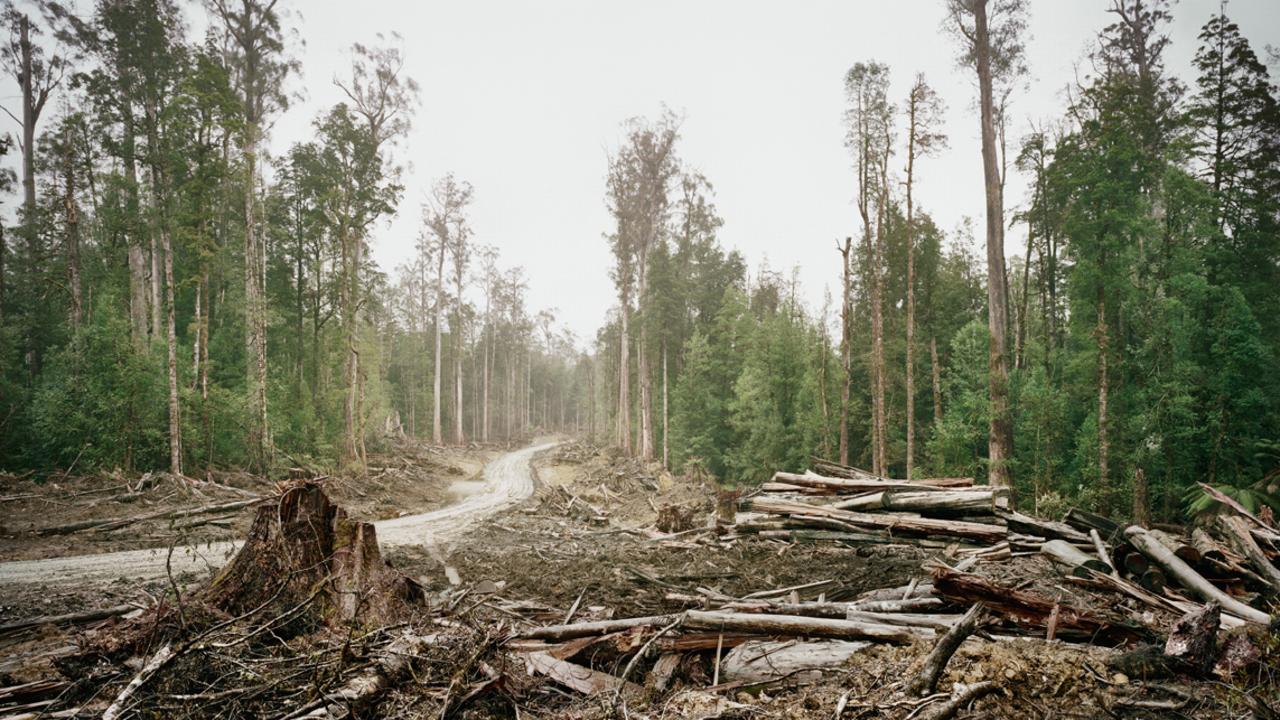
[{"x": 507, "y": 481}]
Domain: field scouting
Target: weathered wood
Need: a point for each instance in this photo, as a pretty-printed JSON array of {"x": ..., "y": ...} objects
[
  {"x": 835, "y": 469},
  {"x": 598, "y": 627},
  {"x": 975, "y": 500},
  {"x": 1154, "y": 580},
  {"x": 1179, "y": 570},
  {"x": 885, "y": 521},
  {"x": 926, "y": 681},
  {"x": 763, "y": 660},
  {"x": 576, "y": 677},
  {"x": 768, "y": 624},
  {"x": 1237, "y": 532},
  {"x": 1101, "y": 549},
  {"x": 961, "y": 696},
  {"x": 1075, "y": 560},
  {"x": 902, "y": 592}
]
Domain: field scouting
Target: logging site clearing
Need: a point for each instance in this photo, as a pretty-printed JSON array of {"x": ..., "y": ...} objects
[{"x": 617, "y": 589}]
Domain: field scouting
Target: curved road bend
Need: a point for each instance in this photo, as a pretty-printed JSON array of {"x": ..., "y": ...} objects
[{"x": 507, "y": 481}]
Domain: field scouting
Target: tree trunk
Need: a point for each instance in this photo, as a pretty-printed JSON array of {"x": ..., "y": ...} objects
[
  {"x": 255, "y": 303},
  {"x": 624, "y": 384},
  {"x": 437, "y": 431},
  {"x": 911, "y": 291},
  {"x": 879, "y": 411},
  {"x": 666, "y": 414},
  {"x": 1000, "y": 435},
  {"x": 1104, "y": 443},
  {"x": 846, "y": 307},
  {"x": 72, "y": 235},
  {"x": 646, "y": 382},
  {"x": 175, "y": 410},
  {"x": 352, "y": 412},
  {"x": 937, "y": 381},
  {"x": 459, "y": 436}
]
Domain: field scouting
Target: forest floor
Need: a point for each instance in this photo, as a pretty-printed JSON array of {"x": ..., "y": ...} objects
[{"x": 585, "y": 546}]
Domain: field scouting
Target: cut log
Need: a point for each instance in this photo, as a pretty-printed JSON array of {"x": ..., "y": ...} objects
[
  {"x": 1048, "y": 529},
  {"x": 801, "y": 626},
  {"x": 926, "y": 681},
  {"x": 1101, "y": 549},
  {"x": 1194, "y": 640},
  {"x": 1176, "y": 568},
  {"x": 764, "y": 660},
  {"x": 1082, "y": 520},
  {"x": 885, "y": 521},
  {"x": 972, "y": 500},
  {"x": 835, "y": 469},
  {"x": 902, "y": 592},
  {"x": 1178, "y": 546},
  {"x": 1237, "y": 532},
  {"x": 1073, "y": 559},
  {"x": 1153, "y": 580},
  {"x": 847, "y": 485},
  {"x": 1210, "y": 549}
]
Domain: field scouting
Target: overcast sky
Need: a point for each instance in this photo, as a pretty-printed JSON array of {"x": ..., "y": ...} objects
[{"x": 526, "y": 99}]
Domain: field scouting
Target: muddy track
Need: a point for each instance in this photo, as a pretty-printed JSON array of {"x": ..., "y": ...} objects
[{"x": 507, "y": 481}]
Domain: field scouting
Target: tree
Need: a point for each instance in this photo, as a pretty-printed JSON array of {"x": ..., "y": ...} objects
[
  {"x": 869, "y": 137},
  {"x": 447, "y": 222},
  {"x": 640, "y": 176},
  {"x": 924, "y": 115},
  {"x": 261, "y": 69},
  {"x": 990, "y": 33}
]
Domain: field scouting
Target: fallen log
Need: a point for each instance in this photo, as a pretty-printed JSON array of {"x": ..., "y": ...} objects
[
  {"x": 961, "y": 696},
  {"x": 1082, "y": 520},
  {"x": 1187, "y": 552},
  {"x": 1048, "y": 529},
  {"x": 800, "y": 626},
  {"x": 834, "y": 469},
  {"x": 576, "y": 677},
  {"x": 926, "y": 681},
  {"x": 976, "y": 500},
  {"x": 1076, "y": 561},
  {"x": 1189, "y": 578},
  {"x": 75, "y": 618},
  {"x": 1154, "y": 580},
  {"x": 884, "y": 521},
  {"x": 117, "y": 523},
  {"x": 598, "y": 627},
  {"x": 1238, "y": 534}
]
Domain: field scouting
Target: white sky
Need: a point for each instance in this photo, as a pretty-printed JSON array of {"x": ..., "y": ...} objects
[{"x": 525, "y": 100}]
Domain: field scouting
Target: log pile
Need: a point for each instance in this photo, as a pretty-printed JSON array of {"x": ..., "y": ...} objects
[{"x": 1230, "y": 561}]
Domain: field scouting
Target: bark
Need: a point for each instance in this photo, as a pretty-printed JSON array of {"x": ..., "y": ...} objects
[
  {"x": 1189, "y": 578},
  {"x": 157, "y": 276},
  {"x": 849, "y": 485},
  {"x": 352, "y": 413},
  {"x": 1000, "y": 435},
  {"x": 255, "y": 303},
  {"x": 392, "y": 666},
  {"x": 1104, "y": 442},
  {"x": 878, "y": 408},
  {"x": 1193, "y": 641}
]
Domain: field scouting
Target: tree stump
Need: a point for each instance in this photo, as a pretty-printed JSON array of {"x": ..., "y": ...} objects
[
  {"x": 1194, "y": 640},
  {"x": 304, "y": 555}
]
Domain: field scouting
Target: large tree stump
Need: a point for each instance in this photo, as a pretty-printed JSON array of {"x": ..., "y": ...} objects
[
  {"x": 305, "y": 556},
  {"x": 1194, "y": 640}
]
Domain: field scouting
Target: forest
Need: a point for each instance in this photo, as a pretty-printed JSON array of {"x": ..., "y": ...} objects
[
  {"x": 1020, "y": 461},
  {"x": 175, "y": 297}
]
